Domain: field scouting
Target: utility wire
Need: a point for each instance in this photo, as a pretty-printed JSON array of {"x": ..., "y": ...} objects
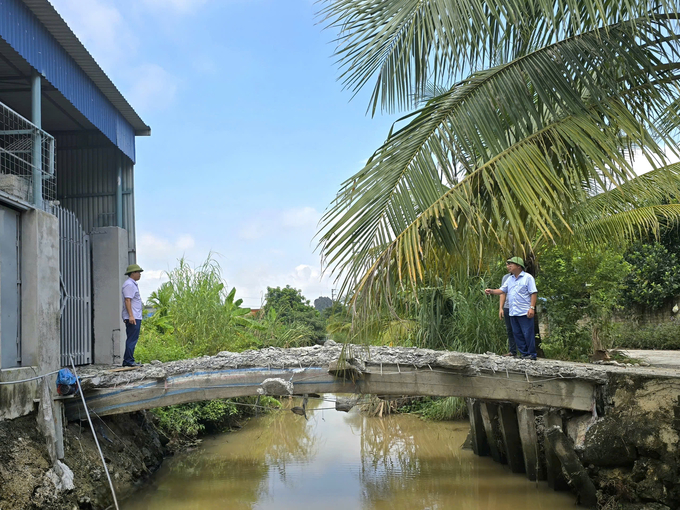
[
  {"x": 94, "y": 434},
  {"x": 3, "y": 383}
]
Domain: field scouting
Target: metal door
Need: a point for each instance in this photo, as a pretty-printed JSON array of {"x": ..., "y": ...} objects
[
  {"x": 10, "y": 288},
  {"x": 74, "y": 279}
]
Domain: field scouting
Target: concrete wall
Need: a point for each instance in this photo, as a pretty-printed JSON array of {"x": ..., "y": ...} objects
[
  {"x": 40, "y": 294},
  {"x": 17, "y": 399},
  {"x": 40, "y": 318},
  {"x": 109, "y": 261}
]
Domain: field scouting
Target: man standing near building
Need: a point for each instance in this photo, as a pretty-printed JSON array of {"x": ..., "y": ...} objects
[
  {"x": 521, "y": 294},
  {"x": 132, "y": 313}
]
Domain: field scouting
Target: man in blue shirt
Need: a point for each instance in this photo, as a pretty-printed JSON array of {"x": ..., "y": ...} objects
[
  {"x": 132, "y": 313},
  {"x": 521, "y": 294}
]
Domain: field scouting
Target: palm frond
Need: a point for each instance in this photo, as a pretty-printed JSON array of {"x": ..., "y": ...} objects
[
  {"x": 404, "y": 44},
  {"x": 499, "y": 159}
]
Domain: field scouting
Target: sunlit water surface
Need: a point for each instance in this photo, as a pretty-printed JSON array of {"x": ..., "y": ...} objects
[{"x": 341, "y": 461}]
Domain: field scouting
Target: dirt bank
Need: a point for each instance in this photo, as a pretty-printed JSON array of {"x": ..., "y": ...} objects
[{"x": 130, "y": 444}]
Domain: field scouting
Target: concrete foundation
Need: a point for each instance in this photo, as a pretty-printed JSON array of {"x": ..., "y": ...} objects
[
  {"x": 507, "y": 416},
  {"x": 477, "y": 433},
  {"x": 556, "y": 480},
  {"x": 109, "y": 261},
  {"x": 492, "y": 429},
  {"x": 526, "y": 422},
  {"x": 17, "y": 399}
]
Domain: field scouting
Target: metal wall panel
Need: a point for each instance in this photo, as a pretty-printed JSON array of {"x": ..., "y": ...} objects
[
  {"x": 20, "y": 28},
  {"x": 75, "y": 281},
  {"x": 88, "y": 174},
  {"x": 10, "y": 288}
]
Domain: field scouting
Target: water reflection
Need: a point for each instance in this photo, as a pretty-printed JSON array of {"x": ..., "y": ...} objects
[{"x": 343, "y": 461}]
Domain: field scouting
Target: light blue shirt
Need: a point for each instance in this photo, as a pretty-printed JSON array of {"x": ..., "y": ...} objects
[
  {"x": 519, "y": 291},
  {"x": 131, "y": 291},
  {"x": 506, "y": 305}
]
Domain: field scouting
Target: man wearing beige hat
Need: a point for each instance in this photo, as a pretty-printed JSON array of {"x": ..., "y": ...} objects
[
  {"x": 520, "y": 291},
  {"x": 132, "y": 313}
]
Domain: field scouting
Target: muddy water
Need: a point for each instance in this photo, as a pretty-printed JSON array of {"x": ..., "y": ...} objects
[{"x": 340, "y": 461}]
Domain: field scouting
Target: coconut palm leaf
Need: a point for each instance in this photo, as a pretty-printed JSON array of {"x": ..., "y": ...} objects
[
  {"x": 500, "y": 159},
  {"x": 405, "y": 44},
  {"x": 636, "y": 208}
]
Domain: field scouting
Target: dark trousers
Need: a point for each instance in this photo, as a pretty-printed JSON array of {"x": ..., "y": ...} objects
[
  {"x": 523, "y": 330},
  {"x": 132, "y": 333},
  {"x": 512, "y": 347}
]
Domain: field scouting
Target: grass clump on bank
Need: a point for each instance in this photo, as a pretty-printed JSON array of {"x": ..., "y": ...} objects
[{"x": 437, "y": 408}]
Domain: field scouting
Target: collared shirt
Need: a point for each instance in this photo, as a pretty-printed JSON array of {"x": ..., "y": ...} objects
[
  {"x": 131, "y": 291},
  {"x": 506, "y": 304},
  {"x": 519, "y": 291}
]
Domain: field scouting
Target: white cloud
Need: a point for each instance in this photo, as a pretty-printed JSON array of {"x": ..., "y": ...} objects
[
  {"x": 153, "y": 88},
  {"x": 272, "y": 223},
  {"x": 101, "y": 28},
  {"x": 300, "y": 217}
]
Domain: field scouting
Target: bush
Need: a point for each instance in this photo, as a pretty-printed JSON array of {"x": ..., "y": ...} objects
[
  {"x": 154, "y": 345},
  {"x": 654, "y": 278},
  {"x": 581, "y": 291},
  {"x": 653, "y": 336},
  {"x": 437, "y": 408}
]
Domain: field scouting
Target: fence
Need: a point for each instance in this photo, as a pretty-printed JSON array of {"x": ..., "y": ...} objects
[{"x": 26, "y": 153}]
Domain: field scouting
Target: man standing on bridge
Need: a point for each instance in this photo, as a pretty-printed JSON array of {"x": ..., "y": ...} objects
[
  {"x": 132, "y": 313},
  {"x": 521, "y": 294}
]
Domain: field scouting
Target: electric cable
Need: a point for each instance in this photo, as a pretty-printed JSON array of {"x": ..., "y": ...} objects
[{"x": 94, "y": 435}]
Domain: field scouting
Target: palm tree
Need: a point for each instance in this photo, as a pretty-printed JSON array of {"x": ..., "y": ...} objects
[{"x": 527, "y": 112}]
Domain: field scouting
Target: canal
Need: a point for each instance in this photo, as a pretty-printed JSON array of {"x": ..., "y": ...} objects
[{"x": 344, "y": 461}]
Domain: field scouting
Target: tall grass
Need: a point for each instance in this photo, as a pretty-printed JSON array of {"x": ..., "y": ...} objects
[{"x": 457, "y": 315}]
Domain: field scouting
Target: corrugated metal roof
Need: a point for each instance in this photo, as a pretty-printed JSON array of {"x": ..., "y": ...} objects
[{"x": 39, "y": 34}]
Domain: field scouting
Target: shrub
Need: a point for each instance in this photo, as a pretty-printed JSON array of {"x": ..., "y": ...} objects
[
  {"x": 653, "y": 336},
  {"x": 581, "y": 291},
  {"x": 437, "y": 408},
  {"x": 654, "y": 277}
]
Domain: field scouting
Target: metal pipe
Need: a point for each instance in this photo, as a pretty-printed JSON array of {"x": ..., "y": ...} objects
[{"x": 36, "y": 118}]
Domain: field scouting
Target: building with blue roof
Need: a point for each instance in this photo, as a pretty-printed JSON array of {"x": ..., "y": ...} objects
[{"x": 67, "y": 216}]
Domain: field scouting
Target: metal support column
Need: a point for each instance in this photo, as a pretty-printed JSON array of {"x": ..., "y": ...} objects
[
  {"x": 36, "y": 118},
  {"x": 119, "y": 191}
]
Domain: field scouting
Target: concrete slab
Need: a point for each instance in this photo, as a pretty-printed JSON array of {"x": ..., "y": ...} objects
[{"x": 657, "y": 359}]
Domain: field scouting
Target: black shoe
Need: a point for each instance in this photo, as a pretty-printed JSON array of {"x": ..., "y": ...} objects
[
  {"x": 529, "y": 357},
  {"x": 133, "y": 364}
]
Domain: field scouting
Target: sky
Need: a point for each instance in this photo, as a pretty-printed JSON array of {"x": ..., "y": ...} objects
[{"x": 252, "y": 132}]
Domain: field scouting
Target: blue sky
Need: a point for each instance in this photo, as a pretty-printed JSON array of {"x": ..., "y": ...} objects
[{"x": 252, "y": 133}]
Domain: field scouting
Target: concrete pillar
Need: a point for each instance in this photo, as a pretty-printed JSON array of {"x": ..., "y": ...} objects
[
  {"x": 480, "y": 446},
  {"x": 109, "y": 260},
  {"x": 556, "y": 480},
  {"x": 36, "y": 118},
  {"x": 493, "y": 432},
  {"x": 40, "y": 291},
  {"x": 510, "y": 432},
  {"x": 572, "y": 468},
  {"x": 526, "y": 421}
]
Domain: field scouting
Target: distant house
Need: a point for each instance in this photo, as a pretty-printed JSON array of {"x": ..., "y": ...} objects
[{"x": 67, "y": 215}]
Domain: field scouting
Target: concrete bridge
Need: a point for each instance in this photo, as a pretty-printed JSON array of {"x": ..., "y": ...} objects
[
  {"x": 350, "y": 369},
  {"x": 596, "y": 429}
]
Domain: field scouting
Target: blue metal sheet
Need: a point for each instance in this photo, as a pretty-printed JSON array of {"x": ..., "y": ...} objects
[{"x": 23, "y": 31}]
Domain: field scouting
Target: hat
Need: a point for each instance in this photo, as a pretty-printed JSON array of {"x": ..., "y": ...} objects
[
  {"x": 517, "y": 260},
  {"x": 132, "y": 268}
]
